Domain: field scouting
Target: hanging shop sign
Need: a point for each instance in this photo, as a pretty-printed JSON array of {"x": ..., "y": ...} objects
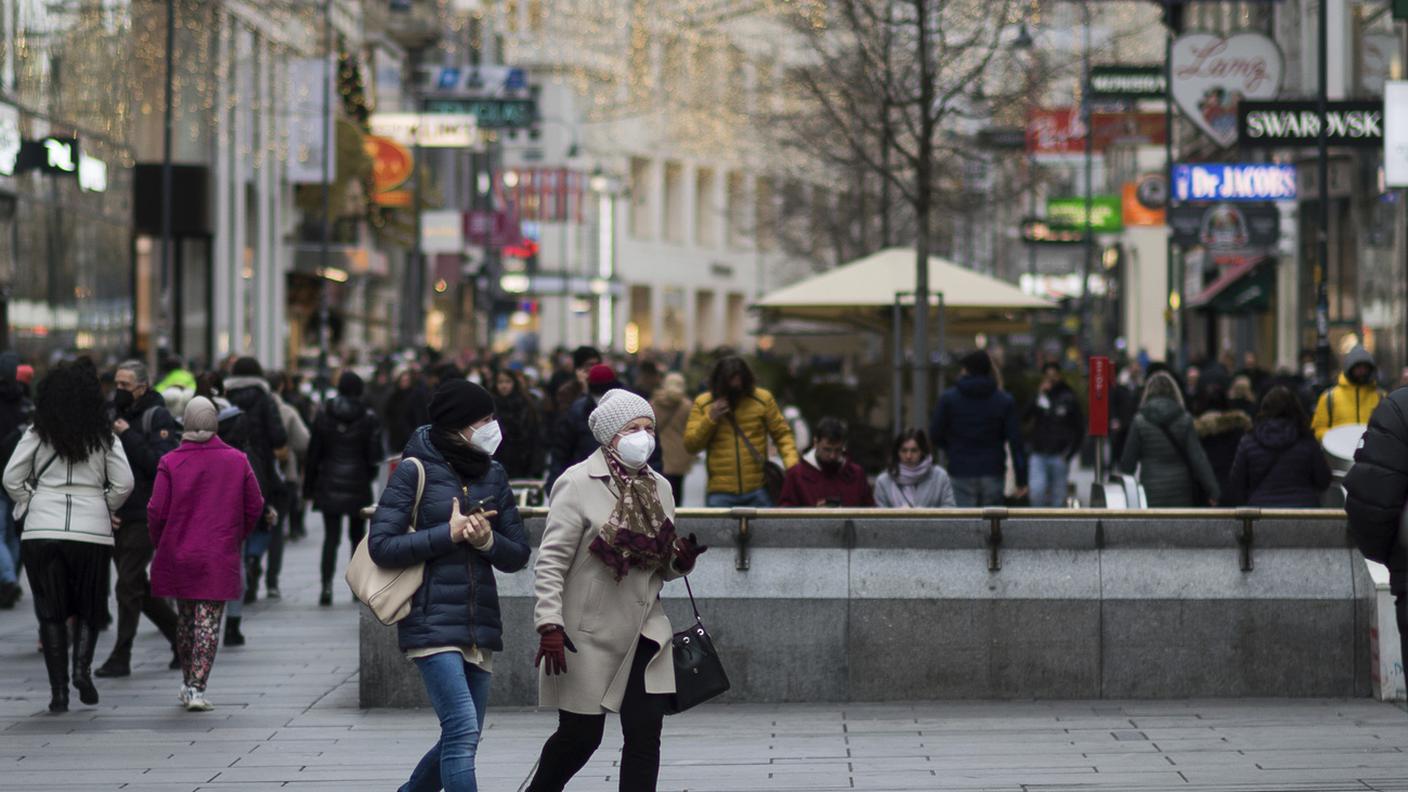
[
  {"x": 1005, "y": 138},
  {"x": 1056, "y": 131},
  {"x": 1396, "y": 133},
  {"x": 1127, "y": 129},
  {"x": 9, "y": 138},
  {"x": 52, "y": 155},
  {"x": 1128, "y": 82},
  {"x": 1105, "y": 216},
  {"x": 392, "y": 165},
  {"x": 1273, "y": 124},
  {"x": 488, "y": 112},
  {"x": 1212, "y": 74},
  {"x": 1216, "y": 181},
  {"x": 1223, "y": 227},
  {"x": 476, "y": 80},
  {"x": 1139, "y": 210},
  {"x": 428, "y": 130},
  {"x": 1040, "y": 231}
]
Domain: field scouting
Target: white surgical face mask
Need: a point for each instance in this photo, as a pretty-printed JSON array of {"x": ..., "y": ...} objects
[
  {"x": 487, "y": 438},
  {"x": 635, "y": 449}
]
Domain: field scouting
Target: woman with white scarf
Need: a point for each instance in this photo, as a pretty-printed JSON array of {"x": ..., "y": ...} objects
[
  {"x": 913, "y": 480},
  {"x": 608, "y": 547}
]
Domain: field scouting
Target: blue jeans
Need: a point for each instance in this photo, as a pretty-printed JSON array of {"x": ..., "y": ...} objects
[
  {"x": 1049, "y": 474},
  {"x": 9, "y": 543},
  {"x": 976, "y": 492},
  {"x": 459, "y": 692},
  {"x": 757, "y": 499}
]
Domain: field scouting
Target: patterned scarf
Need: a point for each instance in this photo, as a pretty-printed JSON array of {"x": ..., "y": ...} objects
[{"x": 638, "y": 534}]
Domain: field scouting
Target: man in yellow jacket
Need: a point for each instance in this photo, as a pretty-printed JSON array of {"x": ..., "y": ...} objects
[
  {"x": 733, "y": 423},
  {"x": 1353, "y": 399}
]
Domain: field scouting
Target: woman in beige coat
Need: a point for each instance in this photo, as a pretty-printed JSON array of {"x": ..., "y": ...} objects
[{"x": 608, "y": 547}]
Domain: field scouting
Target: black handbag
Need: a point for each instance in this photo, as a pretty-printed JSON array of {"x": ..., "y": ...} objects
[{"x": 699, "y": 674}]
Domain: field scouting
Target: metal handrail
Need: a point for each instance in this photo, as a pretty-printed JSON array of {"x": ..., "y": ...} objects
[
  {"x": 994, "y": 516},
  {"x": 1002, "y": 513}
]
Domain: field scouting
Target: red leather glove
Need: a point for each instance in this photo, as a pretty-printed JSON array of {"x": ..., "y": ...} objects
[
  {"x": 553, "y": 645},
  {"x": 687, "y": 549}
]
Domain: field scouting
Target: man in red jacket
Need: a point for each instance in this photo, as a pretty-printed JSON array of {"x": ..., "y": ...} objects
[{"x": 825, "y": 477}]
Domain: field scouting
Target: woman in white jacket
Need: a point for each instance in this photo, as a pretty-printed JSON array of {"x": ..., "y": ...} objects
[{"x": 66, "y": 477}]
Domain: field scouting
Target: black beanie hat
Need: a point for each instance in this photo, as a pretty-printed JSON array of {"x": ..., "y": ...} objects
[
  {"x": 349, "y": 384},
  {"x": 457, "y": 403},
  {"x": 247, "y": 367},
  {"x": 977, "y": 363}
]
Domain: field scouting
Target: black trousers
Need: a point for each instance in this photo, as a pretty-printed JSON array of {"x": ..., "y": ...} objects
[
  {"x": 578, "y": 736},
  {"x": 69, "y": 579},
  {"x": 131, "y": 554},
  {"x": 332, "y": 536},
  {"x": 1401, "y": 611}
]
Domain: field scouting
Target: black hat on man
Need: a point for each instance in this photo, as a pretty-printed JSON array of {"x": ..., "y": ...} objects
[
  {"x": 350, "y": 385},
  {"x": 457, "y": 403}
]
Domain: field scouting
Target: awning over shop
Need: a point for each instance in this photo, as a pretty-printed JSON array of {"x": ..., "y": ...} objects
[
  {"x": 1245, "y": 287},
  {"x": 862, "y": 293}
]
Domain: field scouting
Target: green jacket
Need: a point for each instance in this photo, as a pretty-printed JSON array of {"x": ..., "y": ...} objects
[{"x": 1167, "y": 478}]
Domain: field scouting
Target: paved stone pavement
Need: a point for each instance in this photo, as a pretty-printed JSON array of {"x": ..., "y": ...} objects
[{"x": 286, "y": 717}]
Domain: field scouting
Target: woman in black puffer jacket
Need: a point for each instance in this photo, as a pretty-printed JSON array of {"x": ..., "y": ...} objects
[
  {"x": 454, "y": 626},
  {"x": 344, "y": 457},
  {"x": 1279, "y": 464}
]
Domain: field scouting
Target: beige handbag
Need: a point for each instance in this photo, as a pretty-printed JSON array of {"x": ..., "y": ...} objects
[{"x": 388, "y": 592}]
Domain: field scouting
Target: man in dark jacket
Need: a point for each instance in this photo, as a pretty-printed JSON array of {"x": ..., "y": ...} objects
[
  {"x": 1376, "y": 492},
  {"x": 973, "y": 421},
  {"x": 1058, "y": 430},
  {"x": 344, "y": 455},
  {"x": 265, "y": 440},
  {"x": 15, "y": 412},
  {"x": 826, "y": 477},
  {"x": 147, "y": 432}
]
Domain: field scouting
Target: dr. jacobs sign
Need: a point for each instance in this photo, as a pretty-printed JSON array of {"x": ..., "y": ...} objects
[
  {"x": 1297, "y": 124},
  {"x": 1216, "y": 181}
]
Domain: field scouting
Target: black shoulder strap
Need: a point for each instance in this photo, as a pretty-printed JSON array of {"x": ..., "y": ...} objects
[
  {"x": 757, "y": 456},
  {"x": 1177, "y": 446},
  {"x": 1330, "y": 405}
]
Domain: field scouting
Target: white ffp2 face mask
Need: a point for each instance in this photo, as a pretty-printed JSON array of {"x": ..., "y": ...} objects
[
  {"x": 635, "y": 449},
  {"x": 487, "y": 438}
]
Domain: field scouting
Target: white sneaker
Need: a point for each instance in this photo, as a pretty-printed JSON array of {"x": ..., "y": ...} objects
[
  {"x": 198, "y": 702},
  {"x": 185, "y": 695}
]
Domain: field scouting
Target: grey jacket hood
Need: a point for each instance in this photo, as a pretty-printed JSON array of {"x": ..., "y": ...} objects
[{"x": 1356, "y": 356}]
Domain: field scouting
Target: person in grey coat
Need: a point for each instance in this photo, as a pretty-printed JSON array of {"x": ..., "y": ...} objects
[
  {"x": 1163, "y": 446},
  {"x": 913, "y": 481}
]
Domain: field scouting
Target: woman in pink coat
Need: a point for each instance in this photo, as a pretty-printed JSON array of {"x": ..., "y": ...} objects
[{"x": 205, "y": 502}]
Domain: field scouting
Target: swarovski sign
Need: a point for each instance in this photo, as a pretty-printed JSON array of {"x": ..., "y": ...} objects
[{"x": 1271, "y": 124}]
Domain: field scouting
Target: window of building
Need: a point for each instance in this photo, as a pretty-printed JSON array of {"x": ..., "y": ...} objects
[
  {"x": 706, "y": 215},
  {"x": 641, "y": 225},
  {"x": 736, "y": 212},
  {"x": 674, "y": 202},
  {"x": 765, "y": 215}
]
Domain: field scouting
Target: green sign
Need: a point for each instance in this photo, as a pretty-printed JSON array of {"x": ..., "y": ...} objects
[
  {"x": 1400, "y": 9},
  {"x": 1128, "y": 82},
  {"x": 1105, "y": 213},
  {"x": 490, "y": 113}
]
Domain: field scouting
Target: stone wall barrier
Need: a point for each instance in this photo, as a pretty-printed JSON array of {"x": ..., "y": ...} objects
[{"x": 821, "y": 605}]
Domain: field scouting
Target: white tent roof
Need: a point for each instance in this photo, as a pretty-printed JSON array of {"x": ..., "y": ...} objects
[{"x": 873, "y": 281}]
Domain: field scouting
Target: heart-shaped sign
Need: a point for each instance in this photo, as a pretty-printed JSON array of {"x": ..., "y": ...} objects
[{"x": 1211, "y": 74}]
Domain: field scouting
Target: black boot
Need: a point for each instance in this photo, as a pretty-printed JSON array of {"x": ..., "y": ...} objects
[
  {"x": 233, "y": 636},
  {"x": 325, "y": 598},
  {"x": 251, "y": 579},
  {"x": 85, "y": 640},
  {"x": 53, "y": 637}
]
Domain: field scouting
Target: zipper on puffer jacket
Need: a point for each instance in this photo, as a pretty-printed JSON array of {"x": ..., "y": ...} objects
[
  {"x": 68, "y": 500},
  {"x": 469, "y": 570}
]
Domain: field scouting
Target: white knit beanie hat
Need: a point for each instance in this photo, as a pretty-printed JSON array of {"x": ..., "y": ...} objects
[{"x": 616, "y": 408}]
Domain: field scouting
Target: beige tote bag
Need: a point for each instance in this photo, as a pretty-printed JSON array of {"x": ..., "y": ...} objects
[{"x": 387, "y": 592}]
